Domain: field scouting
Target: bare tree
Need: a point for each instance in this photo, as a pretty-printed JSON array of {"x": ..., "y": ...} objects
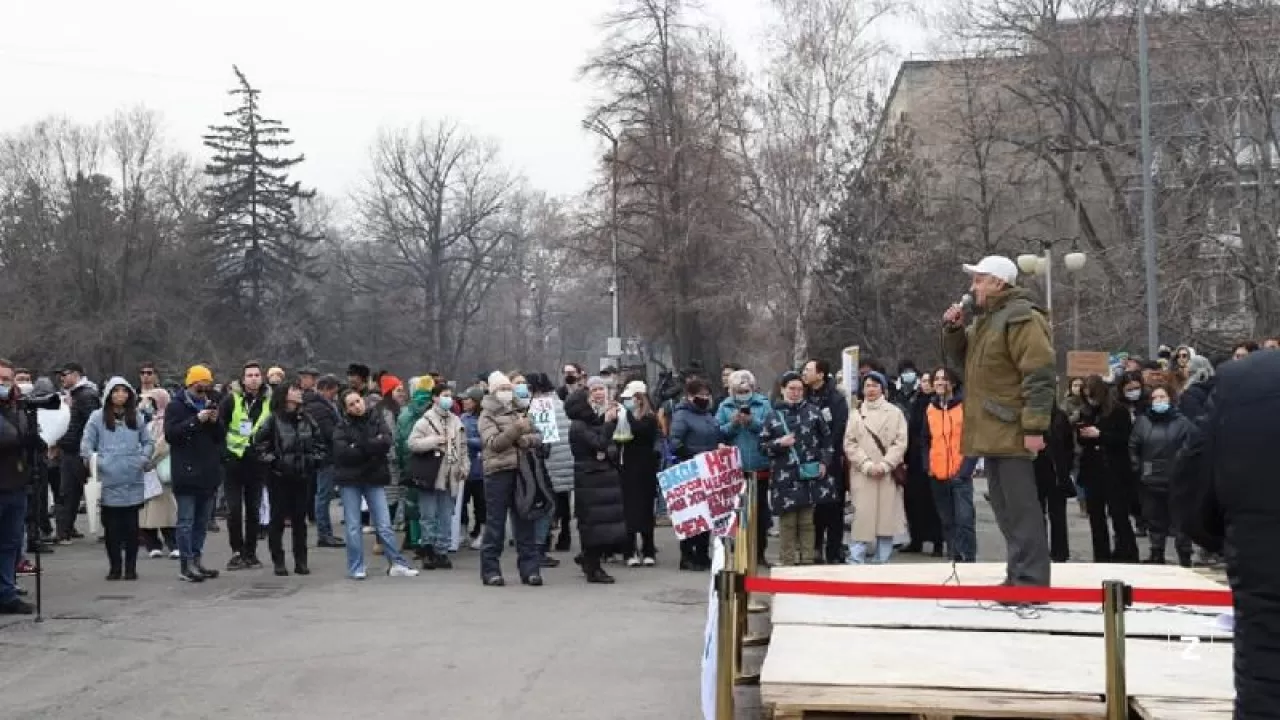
[
  {"x": 435, "y": 212},
  {"x": 809, "y": 113}
]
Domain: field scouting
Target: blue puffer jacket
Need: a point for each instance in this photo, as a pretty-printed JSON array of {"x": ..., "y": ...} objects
[
  {"x": 693, "y": 431},
  {"x": 474, "y": 445},
  {"x": 745, "y": 437},
  {"x": 123, "y": 451}
]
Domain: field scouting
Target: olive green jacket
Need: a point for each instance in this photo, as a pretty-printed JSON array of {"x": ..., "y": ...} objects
[{"x": 1009, "y": 374}]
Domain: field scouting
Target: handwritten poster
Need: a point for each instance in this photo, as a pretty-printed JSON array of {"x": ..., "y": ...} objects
[
  {"x": 702, "y": 493},
  {"x": 542, "y": 413}
]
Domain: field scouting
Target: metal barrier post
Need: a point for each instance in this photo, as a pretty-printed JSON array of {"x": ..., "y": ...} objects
[
  {"x": 725, "y": 632},
  {"x": 1116, "y": 596},
  {"x": 754, "y": 527}
]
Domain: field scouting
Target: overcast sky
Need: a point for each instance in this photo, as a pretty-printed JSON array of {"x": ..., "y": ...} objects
[{"x": 336, "y": 72}]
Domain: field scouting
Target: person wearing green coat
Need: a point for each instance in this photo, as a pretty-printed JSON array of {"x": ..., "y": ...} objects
[{"x": 419, "y": 401}]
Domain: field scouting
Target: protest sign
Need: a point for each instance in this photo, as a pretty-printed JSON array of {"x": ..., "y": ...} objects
[
  {"x": 702, "y": 493},
  {"x": 542, "y": 413}
]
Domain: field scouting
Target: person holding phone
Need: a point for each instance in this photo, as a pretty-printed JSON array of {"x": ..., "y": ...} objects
[
  {"x": 196, "y": 441},
  {"x": 741, "y": 417}
]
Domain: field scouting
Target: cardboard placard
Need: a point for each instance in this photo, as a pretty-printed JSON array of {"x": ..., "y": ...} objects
[{"x": 1082, "y": 364}]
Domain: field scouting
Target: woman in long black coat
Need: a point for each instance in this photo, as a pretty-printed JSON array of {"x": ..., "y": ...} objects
[
  {"x": 923, "y": 522},
  {"x": 1103, "y": 433},
  {"x": 597, "y": 487},
  {"x": 639, "y": 458}
]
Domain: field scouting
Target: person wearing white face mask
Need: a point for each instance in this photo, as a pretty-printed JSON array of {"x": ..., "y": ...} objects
[
  {"x": 504, "y": 432},
  {"x": 1155, "y": 441},
  {"x": 438, "y": 467},
  {"x": 741, "y": 418}
]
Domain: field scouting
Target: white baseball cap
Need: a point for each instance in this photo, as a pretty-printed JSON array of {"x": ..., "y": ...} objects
[
  {"x": 633, "y": 387},
  {"x": 996, "y": 266}
]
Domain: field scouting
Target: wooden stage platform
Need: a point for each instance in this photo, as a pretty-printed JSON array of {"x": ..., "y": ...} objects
[{"x": 955, "y": 659}]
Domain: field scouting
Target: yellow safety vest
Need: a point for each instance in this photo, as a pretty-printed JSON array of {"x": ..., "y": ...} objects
[{"x": 237, "y": 441}]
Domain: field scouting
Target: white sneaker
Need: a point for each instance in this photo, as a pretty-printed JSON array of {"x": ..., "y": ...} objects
[
  {"x": 649, "y": 562},
  {"x": 367, "y": 530},
  {"x": 633, "y": 561},
  {"x": 401, "y": 571},
  {"x": 156, "y": 553},
  {"x": 175, "y": 554},
  {"x": 477, "y": 543},
  {"x": 359, "y": 575}
]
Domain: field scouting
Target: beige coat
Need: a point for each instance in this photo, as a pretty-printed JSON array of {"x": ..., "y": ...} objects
[
  {"x": 443, "y": 432},
  {"x": 161, "y": 511},
  {"x": 877, "y": 500},
  {"x": 502, "y": 437}
]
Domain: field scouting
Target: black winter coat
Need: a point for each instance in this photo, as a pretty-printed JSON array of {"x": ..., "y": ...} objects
[
  {"x": 1054, "y": 464},
  {"x": 360, "y": 446},
  {"x": 84, "y": 400},
  {"x": 1194, "y": 401},
  {"x": 326, "y": 416},
  {"x": 789, "y": 492},
  {"x": 196, "y": 448},
  {"x": 289, "y": 445},
  {"x": 1156, "y": 440},
  {"x": 597, "y": 487},
  {"x": 1104, "y": 460},
  {"x": 13, "y": 428},
  {"x": 639, "y": 460},
  {"x": 1238, "y": 508}
]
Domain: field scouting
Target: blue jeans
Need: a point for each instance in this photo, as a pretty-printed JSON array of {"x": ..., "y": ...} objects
[
  {"x": 324, "y": 495},
  {"x": 194, "y": 513},
  {"x": 882, "y": 552},
  {"x": 954, "y": 501},
  {"x": 13, "y": 523},
  {"x": 435, "y": 512},
  {"x": 379, "y": 514},
  {"x": 499, "y": 496}
]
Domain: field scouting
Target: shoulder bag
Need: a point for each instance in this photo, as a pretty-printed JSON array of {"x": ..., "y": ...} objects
[
  {"x": 424, "y": 468},
  {"x": 899, "y": 471}
]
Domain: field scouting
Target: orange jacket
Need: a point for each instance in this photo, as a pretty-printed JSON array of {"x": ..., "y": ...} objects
[{"x": 943, "y": 431}]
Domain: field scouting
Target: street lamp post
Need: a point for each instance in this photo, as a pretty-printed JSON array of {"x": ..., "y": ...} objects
[
  {"x": 1075, "y": 262},
  {"x": 598, "y": 126},
  {"x": 1031, "y": 264}
]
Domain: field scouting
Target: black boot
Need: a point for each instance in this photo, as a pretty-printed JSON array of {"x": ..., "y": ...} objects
[
  {"x": 188, "y": 573},
  {"x": 430, "y": 560},
  {"x": 205, "y": 572},
  {"x": 1184, "y": 558},
  {"x": 300, "y": 562},
  {"x": 596, "y": 574},
  {"x": 443, "y": 562},
  {"x": 563, "y": 542},
  {"x": 1155, "y": 558},
  {"x": 278, "y": 567}
]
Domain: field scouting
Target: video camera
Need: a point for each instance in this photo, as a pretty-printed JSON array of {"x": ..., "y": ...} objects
[{"x": 40, "y": 401}]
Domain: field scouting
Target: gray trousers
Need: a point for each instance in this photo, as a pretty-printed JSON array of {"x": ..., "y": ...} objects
[{"x": 1011, "y": 483}]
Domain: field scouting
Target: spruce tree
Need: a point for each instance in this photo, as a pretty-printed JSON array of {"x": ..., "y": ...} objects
[{"x": 259, "y": 251}]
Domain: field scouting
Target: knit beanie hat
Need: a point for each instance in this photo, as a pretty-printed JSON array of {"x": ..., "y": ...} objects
[
  {"x": 497, "y": 379},
  {"x": 388, "y": 383},
  {"x": 593, "y": 381},
  {"x": 879, "y": 378},
  {"x": 476, "y": 394},
  {"x": 198, "y": 374}
]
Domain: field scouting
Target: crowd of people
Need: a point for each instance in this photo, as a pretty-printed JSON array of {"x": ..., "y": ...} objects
[{"x": 1174, "y": 448}]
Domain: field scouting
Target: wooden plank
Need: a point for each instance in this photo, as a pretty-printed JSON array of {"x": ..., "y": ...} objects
[
  {"x": 965, "y": 615},
  {"x": 1159, "y": 708},
  {"x": 792, "y": 701},
  {"x": 990, "y": 661}
]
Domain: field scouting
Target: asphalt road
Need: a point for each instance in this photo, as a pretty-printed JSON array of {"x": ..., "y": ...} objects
[{"x": 251, "y": 645}]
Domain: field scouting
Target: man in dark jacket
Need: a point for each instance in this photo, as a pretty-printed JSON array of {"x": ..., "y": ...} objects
[
  {"x": 14, "y": 479},
  {"x": 923, "y": 522},
  {"x": 1224, "y": 490},
  {"x": 84, "y": 400},
  {"x": 828, "y": 517},
  {"x": 322, "y": 407},
  {"x": 196, "y": 440}
]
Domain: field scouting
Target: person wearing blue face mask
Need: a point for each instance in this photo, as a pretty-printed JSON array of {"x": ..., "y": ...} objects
[
  {"x": 1157, "y": 437},
  {"x": 522, "y": 394},
  {"x": 741, "y": 418}
]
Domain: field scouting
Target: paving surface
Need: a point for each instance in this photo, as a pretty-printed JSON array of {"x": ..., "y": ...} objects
[{"x": 251, "y": 645}]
